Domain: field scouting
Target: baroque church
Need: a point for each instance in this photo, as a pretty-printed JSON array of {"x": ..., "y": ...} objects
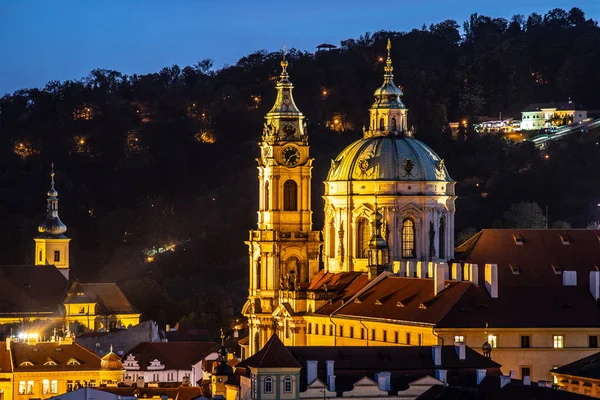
[
  {"x": 45, "y": 293},
  {"x": 384, "y": 271},
  {"x": 387, "y": 189}
]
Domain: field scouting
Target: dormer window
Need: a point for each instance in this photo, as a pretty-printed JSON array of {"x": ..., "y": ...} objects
[
  {"x": 26, "y": 363},
  {"x": 556, "y": 269},
  {"x": 518, "y": 240},
  {"x": 515, "y": 269},
  {"x": 565, "y": 240},
  {"x": 73, "y": 361},
  {"x": 50, "y": 363}
]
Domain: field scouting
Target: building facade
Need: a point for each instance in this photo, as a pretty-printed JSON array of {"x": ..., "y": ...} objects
[{"x": 546, "y": 115}]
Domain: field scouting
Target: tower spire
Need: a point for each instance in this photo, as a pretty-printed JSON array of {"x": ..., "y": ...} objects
[
  {"x": 52, "y": 225},
  {"x": 388, "y": 69}
]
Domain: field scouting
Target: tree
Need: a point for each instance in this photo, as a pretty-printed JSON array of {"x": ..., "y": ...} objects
[
  {"x": 523, "y": 215},
  {"x": 561, "y": 225}
]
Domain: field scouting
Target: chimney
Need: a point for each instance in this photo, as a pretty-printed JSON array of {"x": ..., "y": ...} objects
[
  {"x": 473, "y": 273},
  {"x": 384, "y": 381},
  {"x": 461, "y": 350},
  {"x": 504, "y": 380},
  {"x": 456, "y": 272},
  {"x": 440, "y": 375},
  {"x": 595, "y": 284},
  {"x": 396, "y": 266},
  {"x": 311, "y": 371},
  {"x": 439, "y": 273},
  {"x": 491, "y": 280},
  {"x": 527, "y": 380},
  {"x": 410, "y": 269},
  {"x": 329, "y": 367},
  {"x": 430, "y": 268},
  {"x": 421, "y": 269},
  {"x": 480, "y": 375},
  {"x": 436, "y": 355},
  {"x": 331, "y": 383},
  {"x": 569, "y": 278}
]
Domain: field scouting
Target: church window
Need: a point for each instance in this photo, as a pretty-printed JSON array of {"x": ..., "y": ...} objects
[
  {"x": 268, "y": 384},
  {"x": 258, "y": 267},
  {"x": 56, "y": 255},
  {"x": 442, "y": 237},
  {"x": 362, "y": 238},
  {"x": 41, "y": 256},
  {"x": 408, "y": 239},
  {"x": 393, "y": 124},
  {"x": 331, "y": 239},
  {"x": 287, "y": 384},
  {"x": 381, "y": 124},
  {"x": 267, "y": 196},
  {"x": 290, "y": 196}
]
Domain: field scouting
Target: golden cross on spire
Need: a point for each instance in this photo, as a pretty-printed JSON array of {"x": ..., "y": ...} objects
[
  {"x": 389, "y": 47},
  {"x": 52, "y": 174}
]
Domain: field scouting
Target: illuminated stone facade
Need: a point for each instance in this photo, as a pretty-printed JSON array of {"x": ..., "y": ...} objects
[{"x": 283, "y": 250}]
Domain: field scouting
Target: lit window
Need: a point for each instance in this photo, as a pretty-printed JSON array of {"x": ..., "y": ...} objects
[
  {"x": 22, "y": 387},
  {"x": 559, "y": 341},
  {"x": 459, "y": 338},
  {"x": 287, "y": 384},
  {"x": 290, "y": 196},
  {"x": 45, "y": 386},
  {"x": 493, "y": 340},
  {"x": 29, "y": 387},
  {"x": 56, "y": 256},
  {"x": 408, "y": 239},
  {"x": 268, "y": 384},
  {"x": 362, "y": 238}
]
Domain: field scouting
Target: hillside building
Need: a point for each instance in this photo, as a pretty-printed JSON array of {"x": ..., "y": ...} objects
[{"x": 546, "y": 115}]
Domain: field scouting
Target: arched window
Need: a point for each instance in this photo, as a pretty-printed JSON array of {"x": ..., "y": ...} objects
[
  {"x": 331, "y": 239},
  {"x": 408, "y": 239},
  {"x": 393, "y": 128},
  {"x": 290, "y": 196},
  {"x": 268, "y": 384},
  {"x": 442, "y": 237},
  {"x": 362, "y": 238},
  {"x": 267, "y": 195},
  {"x": 381, "y": 124},
  {"x": 287, "y": 384}
]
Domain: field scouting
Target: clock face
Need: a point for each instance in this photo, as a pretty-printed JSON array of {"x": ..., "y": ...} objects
[{"x": 290, "y": 156}]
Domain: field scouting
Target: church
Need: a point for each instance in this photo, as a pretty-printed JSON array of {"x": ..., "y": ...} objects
[
  {"x": 384, "y": 270},
  {"x": 44, "y": 293}
]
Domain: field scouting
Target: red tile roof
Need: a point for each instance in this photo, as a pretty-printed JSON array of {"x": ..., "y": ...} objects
[
  {"x": 26, "y": 290},
  {"x": 400, "y": 299},
  {"x": 521, "y": 307},
  {"x": 274, "y": 354},
  {"x": 541, "y": 249},
  {"x": 173, "y": 355},
  {"x": 59, "y": 353}
]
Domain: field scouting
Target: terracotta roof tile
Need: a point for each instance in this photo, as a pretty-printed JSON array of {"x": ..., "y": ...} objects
[
  {"x": 540, "y": 249},
  {"x": 38, "y": 354},
  {"x": 173, "y": 355}
]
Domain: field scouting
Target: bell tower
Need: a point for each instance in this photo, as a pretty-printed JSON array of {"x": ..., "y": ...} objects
[
  {"x": 52, "y": 246},
  {"x": 283, "y": 250}
]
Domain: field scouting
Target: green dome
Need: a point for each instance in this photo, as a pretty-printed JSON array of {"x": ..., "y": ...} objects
[{"x": 388, "y": 158}]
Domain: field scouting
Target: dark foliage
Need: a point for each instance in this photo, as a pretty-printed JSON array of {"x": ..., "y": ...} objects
[{"x": 136, "y": 169}]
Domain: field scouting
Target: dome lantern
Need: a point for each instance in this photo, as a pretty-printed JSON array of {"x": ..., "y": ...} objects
[{"x": 52, "y": 226}]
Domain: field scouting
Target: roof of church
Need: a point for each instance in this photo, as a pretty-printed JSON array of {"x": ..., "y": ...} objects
[
  {"x": 173, "y": 355},
  {"x": 539, "y": 249},
  {"x": 587, "y": 367},
  {"x": 405, "y": 363},
  {"x": 108, "y": 295},
  {"x": 560, "y": 106},
  {"x": 388, "y": 158},
  {"x": 397, "y": 298},
  {"x": 49, "y": 356},
  {"x": 31, "y": 289},
  {"x": 274, "y": 354}
]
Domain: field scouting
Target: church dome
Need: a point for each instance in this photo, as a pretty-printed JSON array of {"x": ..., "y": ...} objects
[
  {"x": 52, "y": 226},
  {"x": 388, "y": 158}
]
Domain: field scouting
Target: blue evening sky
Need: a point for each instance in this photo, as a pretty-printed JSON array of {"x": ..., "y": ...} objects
[{"x": 42, "y": 40}]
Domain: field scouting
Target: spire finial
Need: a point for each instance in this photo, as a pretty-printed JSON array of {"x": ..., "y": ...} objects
[
  {"x": 52, "y": 175},
  {"x": 389, "y": 47},
  {"x": 222, "y": 337},
  {"x": 111, "y": 348},
  {"x": 284, "y": 63},
  {"x": 388, "y": 63}
]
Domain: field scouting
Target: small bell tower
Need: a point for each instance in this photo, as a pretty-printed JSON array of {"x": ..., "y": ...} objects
[{"x": 52, "y": 246}]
